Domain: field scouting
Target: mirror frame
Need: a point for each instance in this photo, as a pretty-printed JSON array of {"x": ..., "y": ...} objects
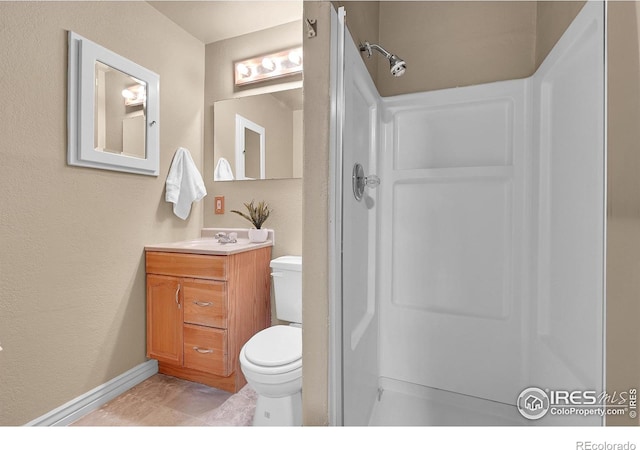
[{"x": 83, "y": 55}]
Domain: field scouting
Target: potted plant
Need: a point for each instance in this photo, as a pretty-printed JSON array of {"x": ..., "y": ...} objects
[{"x": 257, "y": 215}]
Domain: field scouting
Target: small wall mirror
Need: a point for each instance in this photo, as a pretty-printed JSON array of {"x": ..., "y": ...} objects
[
  {"x": 258, "y": 137},
  {"x": 113, "y": 110}
]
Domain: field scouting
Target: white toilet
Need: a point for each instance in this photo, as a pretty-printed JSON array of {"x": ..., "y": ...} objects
[{"x": 271, "y": 360}]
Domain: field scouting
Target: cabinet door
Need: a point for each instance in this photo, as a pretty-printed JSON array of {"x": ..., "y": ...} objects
[{"x": 164, "y": 319}]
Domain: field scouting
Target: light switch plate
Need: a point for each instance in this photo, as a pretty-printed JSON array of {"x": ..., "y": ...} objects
[{"x": 219, "y": 204}]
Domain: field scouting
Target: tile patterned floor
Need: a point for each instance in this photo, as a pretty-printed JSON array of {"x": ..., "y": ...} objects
[{"x": 162, "y": 400}]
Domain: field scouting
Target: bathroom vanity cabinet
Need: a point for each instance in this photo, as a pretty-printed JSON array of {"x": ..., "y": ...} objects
[{"x": 201, "y": 310}]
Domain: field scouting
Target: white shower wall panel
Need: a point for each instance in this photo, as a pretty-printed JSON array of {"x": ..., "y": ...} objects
[
  {"x": 452, "y": 289},
  {"x": 459, "y": 135},
  {"x": 492, "y": 219},
  {"x": 567, "y": 308},
  {"x": 456, "y": 224}
]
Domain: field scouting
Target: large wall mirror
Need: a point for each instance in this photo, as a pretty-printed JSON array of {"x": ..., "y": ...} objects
[
  {"x": 113, "y": 110},
  {"x": 258, "y": 137}
]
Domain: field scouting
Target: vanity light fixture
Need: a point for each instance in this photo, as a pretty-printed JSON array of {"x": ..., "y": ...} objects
[{"x": 266, "y": 67}]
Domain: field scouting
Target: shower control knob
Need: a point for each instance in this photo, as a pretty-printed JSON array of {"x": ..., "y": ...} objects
[
  {"x": 372, "y": 181},
  {"x": 360, "y": 181}
]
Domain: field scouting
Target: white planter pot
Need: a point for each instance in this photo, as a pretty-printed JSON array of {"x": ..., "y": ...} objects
[{"x": 258, "y": 235}]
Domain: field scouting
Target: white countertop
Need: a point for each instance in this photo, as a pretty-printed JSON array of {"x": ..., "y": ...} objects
[{"x": 208, "y": 245}]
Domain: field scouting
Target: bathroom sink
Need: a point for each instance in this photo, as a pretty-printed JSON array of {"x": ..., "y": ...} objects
[
  {"x": 213, "y": 243},
  {"x": 208, "y": 246}
]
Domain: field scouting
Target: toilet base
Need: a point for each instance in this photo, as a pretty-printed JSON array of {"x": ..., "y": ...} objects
[{"x": 280, "y": 411}]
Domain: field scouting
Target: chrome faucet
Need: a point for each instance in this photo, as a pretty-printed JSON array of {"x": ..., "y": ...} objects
[{"x": 225, "y": 238}]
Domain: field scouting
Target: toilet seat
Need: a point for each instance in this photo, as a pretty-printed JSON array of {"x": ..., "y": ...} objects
[{"x": 274, "y": 350}]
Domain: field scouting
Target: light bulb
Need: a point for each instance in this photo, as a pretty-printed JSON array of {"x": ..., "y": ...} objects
[
  {"x": 243, "y": 70},
  {"x": 295, "y": 57},
  {"x": 268, "y": 64}
]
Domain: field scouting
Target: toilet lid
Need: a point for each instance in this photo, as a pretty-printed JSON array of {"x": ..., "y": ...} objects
[{"x": 275, "y": 346}]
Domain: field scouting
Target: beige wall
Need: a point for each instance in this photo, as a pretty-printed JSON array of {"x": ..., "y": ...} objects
[
  {"x": 449, "y": 44},
  {"x": 315, "y": 307},
  {"x": 623, "y": 197},
  {"x": 553, "y": 18},
  {"x": 72, "y": 308},
  {"x": 284, "y": 196}
]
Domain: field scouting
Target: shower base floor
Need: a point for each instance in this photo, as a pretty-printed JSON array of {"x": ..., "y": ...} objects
[{"x": 407, "y": 404}]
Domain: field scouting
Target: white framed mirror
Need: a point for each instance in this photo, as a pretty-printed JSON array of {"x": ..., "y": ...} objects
[{"x": 113, "y": 111}]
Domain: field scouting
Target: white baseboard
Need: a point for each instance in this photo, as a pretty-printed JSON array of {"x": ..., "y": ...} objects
[{"x": 94, "y": 399}]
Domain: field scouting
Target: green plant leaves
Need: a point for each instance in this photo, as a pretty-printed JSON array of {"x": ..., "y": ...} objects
[{"x": 257, "y": 214}]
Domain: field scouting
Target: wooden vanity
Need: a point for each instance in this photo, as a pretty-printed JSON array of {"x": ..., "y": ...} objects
[{"x": 203, "y": 307}]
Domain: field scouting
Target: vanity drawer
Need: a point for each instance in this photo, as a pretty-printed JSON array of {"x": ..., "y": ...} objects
[
  {"x": 205, "y": 303},
  {"x": 205, "y": 349},
  {"x": 210, "y": 267}
]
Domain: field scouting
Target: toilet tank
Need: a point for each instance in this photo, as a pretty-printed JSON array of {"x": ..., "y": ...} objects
[{"x": 286, "y": 273}]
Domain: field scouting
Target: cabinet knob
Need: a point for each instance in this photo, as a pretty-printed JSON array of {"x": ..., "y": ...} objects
[{"x": 178, "y": 296}]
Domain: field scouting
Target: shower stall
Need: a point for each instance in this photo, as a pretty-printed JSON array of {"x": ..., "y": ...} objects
[{"x": 471, "y": 266}]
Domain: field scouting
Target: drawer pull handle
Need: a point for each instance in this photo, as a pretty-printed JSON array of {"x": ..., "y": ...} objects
[
  {"x": 199, "y": 303},
  {"x": 203, "y": 350},
  {"x": 178, "y": 296}
]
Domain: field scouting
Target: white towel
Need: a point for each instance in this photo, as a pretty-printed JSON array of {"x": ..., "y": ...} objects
[
  {"x": 223, "y": 171},
  {"x": 184, "y": 184}
]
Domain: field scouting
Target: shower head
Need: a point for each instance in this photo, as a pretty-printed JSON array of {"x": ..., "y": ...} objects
[{"x": 397, "y": 66}]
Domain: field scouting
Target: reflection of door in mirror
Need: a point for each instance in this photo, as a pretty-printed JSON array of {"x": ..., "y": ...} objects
[
  {"x": 249, "y": 150},
  {"x": 251, "y": 154},
  {"x": 120, "y": 123}
]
